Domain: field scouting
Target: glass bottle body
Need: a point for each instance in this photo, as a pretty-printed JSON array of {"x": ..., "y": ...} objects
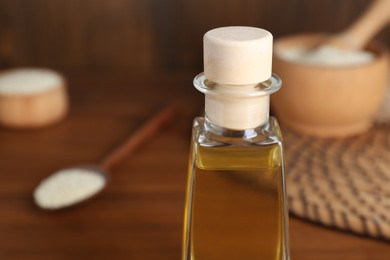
[{"x": 236, "y": 206}]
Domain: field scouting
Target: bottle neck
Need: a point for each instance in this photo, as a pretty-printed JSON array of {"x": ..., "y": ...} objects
[
  {"x": 237, "y": 112},
  {"x": 225, "y": 132},
  {"x": 237, "y": 107}
]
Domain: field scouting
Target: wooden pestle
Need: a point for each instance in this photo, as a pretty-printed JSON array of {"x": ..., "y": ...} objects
[{"x": 363, "y": 29}]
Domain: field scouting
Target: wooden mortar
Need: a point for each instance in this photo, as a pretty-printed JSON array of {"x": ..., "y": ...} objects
[{"x": 329, "y": 101}]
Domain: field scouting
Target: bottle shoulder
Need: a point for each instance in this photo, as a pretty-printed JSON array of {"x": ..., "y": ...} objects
[
  {"x": 260, "y": 150},
  {"x": 267, "y": 134}
]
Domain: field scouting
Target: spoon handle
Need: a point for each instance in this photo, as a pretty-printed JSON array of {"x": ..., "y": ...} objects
[
  {"x": 364, "y": 28},
  {"x": 141, "y": 135}
]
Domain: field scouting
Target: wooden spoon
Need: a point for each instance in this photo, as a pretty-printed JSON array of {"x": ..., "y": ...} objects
[{"x": 65, "y": 188}]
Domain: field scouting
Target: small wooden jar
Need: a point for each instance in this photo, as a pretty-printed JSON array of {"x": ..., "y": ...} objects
[
  {"x": 32, "y": 98},
  {"x": 329, "y": 101}
]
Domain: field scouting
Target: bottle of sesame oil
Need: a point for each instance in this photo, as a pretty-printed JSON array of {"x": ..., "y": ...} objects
[{"x": 235, "y": 207}]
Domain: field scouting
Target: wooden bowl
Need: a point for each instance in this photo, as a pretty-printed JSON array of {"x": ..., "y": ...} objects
[
  {"x": 329, "y": 101},
  {"x": 32, "y": 98}
]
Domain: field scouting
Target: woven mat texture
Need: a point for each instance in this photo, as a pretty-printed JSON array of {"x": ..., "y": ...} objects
[{"x": 342, "y": 183}]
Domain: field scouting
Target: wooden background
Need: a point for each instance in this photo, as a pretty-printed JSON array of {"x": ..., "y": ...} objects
[
  {"x": 119, "y": 36},
  {"x": 103, "y": 43},
  {"x": 140, "y": 214}
]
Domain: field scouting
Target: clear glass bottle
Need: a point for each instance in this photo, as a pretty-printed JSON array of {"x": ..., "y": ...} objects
[{"x": 236, "y": 196}]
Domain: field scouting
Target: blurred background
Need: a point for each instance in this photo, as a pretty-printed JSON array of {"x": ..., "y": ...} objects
[
  {"x": 122, "y": 36},
  {"x": 100, "y": 45}
]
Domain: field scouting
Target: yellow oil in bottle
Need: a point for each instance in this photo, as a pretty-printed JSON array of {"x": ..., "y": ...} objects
[{"x": 235, "y": 206}]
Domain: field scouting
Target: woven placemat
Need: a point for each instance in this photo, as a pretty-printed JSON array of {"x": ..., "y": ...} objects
[{"x": 342, "y": 183}]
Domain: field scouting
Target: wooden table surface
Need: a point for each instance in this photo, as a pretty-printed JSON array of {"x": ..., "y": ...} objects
[{"x": 140, "y": 214}]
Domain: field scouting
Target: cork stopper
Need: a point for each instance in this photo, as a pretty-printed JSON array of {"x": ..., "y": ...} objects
[
  {"x": 237, "y": 60},
  {"x": 237, "y": 55}
]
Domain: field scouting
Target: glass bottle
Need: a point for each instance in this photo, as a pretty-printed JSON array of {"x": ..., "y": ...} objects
[{"x": 236, "y": 196}]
